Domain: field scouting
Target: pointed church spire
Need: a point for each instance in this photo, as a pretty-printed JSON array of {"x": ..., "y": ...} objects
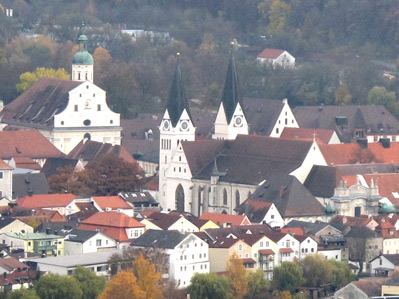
[
  {"x": 177, "y": 98},
  {"x": 230, "y": 96}
]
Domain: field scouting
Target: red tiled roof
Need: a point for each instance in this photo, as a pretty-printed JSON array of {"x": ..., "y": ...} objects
[
  {"x": 112, "y": 219},
  {"x": 113, "y": 202},
  {"x": 5, "y": 166},
  {"x": 27, "y": 163},
  {"x": 248, "y": 261},
  {"x": 297, "y": 231},
  {"x": 266, "y": 251},
  {"x": 303, "y": 133},
  {"x": 220, "y": 219},
  {"x": 286, "y": 250},
  {"x": 45, "y": 201},
  {"x": 350, "y": 220},
  {"x": 116, "y": 233},
  {"x": 387, "y": 183},
  {"x": 270, "y": 53},
  {"x": 29, "y": 143},
  {"x": 372, "y": 287},
  {"x": 153, "y": 184}
]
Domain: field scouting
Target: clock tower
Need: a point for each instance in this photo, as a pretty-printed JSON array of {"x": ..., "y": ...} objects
[
  {"x": 176, "y": 126},
  {"x": 230, "y": 119}
]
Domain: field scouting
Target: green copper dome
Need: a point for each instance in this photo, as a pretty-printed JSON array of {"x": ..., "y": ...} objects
[
  {"x": 387, "y": 208},
  {"x": 330, "y": 209},
  {"x": 83, "y": 56}
]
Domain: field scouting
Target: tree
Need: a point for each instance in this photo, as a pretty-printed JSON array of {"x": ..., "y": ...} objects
[
  {"x": 23, "y": 294},
  {"x": 29, "y": 78},
  {"x": 316, "y": 270},
  {"x": 363, "y": 156},
  {"x": 237, "y": 275},
  {"x": 123, "y": 286},
  {"x": 91, "y": 284},
  {"x": 148, "y": 279},
  {"x": 209, "y": 286},
  {"x": 288, "y": 276},
  {"x": 342, "y": 95},
  {"x": 341, "y": 274},
  {"x": 278, "y": 17},
  {"x": 257, "y": 283},
  {"x": 107, "y": 176},
  {"x": 378, "y": 95},
  {"x": 53, "y": 286}
]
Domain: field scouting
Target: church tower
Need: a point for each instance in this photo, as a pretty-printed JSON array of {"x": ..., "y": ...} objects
[
  {"x": 176, "y": 126},
  {"x": 82, "y": 62},
  {"x": 230, "y": 119}
]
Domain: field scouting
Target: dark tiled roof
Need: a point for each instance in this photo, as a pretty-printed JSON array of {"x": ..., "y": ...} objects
[
  {"x": 177, "y": 98},
  {"x": 93, "y": 150},
  {"x": 6, "y": 221},
  {"x": 393, "y": 258},
  {"x": 372, "y": 287},
  {"x": 53, "y": 164},
  {"x": 256, "y": 210},
  {"x": 28, "y": 184},
  {"x": 309, "y": 227},
  {"x": 159, "y": 239},
  {"x": 137, "y": 197},
  {"x": 307, "y": 134},
  {"x": 362, "y": 232},
  {"x": 230, "y": 96},
  {"x": 37, "y": 106},
  {"x": 251, "y": 159},
  {"x": 80, "y": 235},
  {"x": 374, "y": 119},
  {"x": 59, "y": 228},
  {"x": 289, "y": 196},
  {"x": 262, "y": 114}
]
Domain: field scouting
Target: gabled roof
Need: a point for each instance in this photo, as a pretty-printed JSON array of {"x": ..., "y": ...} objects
[
  {"x": 271, "y": 53},
  {"x": 137, "y": 197},
  {"x": 374, "y": 119},
  {"x": 80, "y": 235},
  {"x": 25, "y": 163},
  {"x": 230, "y": 96},
  {"x": 309, "y": 227},
  {"x": 37, "y": 106},
  {"x": 262, "y": 114},
  {"x": 159, "y": 239},
  {"x": 112, "y": 219},
  {"x": 113, "y": 202},
  {"x": 223, "y": 243},
  {"x": 92, "y": 150},
  {"x": 29, "y": 143},
  {"x": 177, "y": 98},
  {"x": 371, "y": 287},
  {"x": 87, "y": 209},
  {"x": 25, "y": 184},
  {"x": 11, "y": 264},
  {"x": 393, "y": 258},
  {"x": 51, "y": 165},
  {"x": 165, "y": 220},
  {"x": 256, "y": 210},
  {"x": 307, "y": 134},
  {"x": 45, "y": 201},
  {"x": 340, "y": 220},
  {"x": 252, "y": 159},
  {"x": 290, "y": 197},
  {"x": 222, "y": 219}
]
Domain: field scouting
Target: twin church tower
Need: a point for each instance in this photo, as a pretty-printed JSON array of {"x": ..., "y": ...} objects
[{"x": 177, "y": 126}]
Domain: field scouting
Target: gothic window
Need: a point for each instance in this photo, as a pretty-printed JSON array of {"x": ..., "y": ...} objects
[
  {"x": 179, "y": 198},
  {"x": 237, "y": 198},
  {"x": 224, "y": 197},
  {"x": 199, "y": 199}
]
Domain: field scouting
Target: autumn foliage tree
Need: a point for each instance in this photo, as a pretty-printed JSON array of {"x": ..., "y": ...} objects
[
  {"x": 148, "y": 279},
  {"x": 123, "y": 286},
  {"x": 107, "y": 176},
  {"x": 29, "y": 78},
  {"x": 238, "y": 276}
]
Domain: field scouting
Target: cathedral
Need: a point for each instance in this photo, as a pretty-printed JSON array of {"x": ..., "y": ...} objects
[
  {"x": 66, "y": 111},
  {"x": 218, "y": 174}
]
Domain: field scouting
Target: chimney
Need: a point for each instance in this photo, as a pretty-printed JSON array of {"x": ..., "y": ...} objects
[
  {"x": 5, "y": 274},
  {"x": 386, "y": 142},
  {"x": 362, "y": 142}
]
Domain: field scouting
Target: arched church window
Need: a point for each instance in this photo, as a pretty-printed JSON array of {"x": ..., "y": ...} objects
[
  {"x": 224, "y": 197},
  {"x": 78, "y": 75},
  {"x": 179, "y": 198},
  {"x": 87, "y": 136},
  {"x": 237, "y": 198},
  {"x": 199, "y": 199}
]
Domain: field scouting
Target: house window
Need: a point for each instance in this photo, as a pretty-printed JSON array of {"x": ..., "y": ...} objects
[
  {"x": 98, "y": 242},
  {"x": 393, "y": 138},
  {"x": 240, "y": 247},
  {"x": 286, "y": 121},
  {"x": 136, "y": 233},
  {"x": 1, "y": 174},
  {"x": 277, "y": 130},
  {"x": 267, "y": 243},
  {"x": 76, "y": 108},
  {"x": 272, "y": 216},
  {"x": 237, "y": 198},
  {"x": 98, "y": 107},
  {"x": 261, "y": 244}
]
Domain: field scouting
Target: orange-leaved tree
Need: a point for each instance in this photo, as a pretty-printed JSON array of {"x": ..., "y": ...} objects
[
  {"x": 123, "y": 286},
  {"x": 148, "y": 279},
  {"x": 238, "y": 277}
]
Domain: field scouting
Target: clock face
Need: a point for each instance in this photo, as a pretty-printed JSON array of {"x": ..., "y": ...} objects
[
  {"x": 184, "y": 125},
  {"x": 238, "y": 121},
  {"x": 166, "y": 125}
]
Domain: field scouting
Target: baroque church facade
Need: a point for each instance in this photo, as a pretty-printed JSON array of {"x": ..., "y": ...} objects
[{"x": 66, "y": 111}]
